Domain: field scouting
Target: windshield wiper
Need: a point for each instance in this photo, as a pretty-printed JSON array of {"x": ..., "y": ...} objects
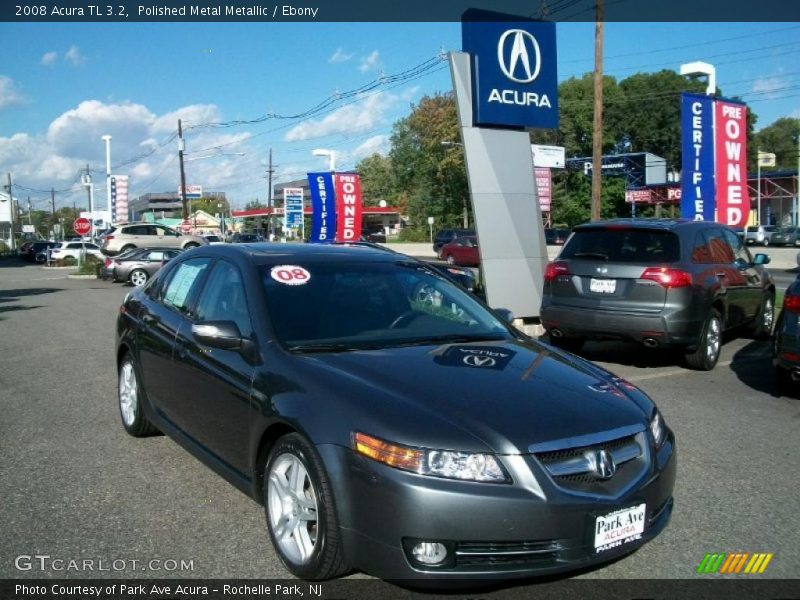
[
  {"x": 310, "y": 348},
  {"x": 453, "y": 338}
]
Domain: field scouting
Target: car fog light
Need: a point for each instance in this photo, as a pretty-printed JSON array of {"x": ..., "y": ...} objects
[{"x": 429, "y": 553}]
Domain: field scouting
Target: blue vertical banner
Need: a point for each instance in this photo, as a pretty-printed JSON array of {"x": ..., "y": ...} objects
[
  {"x": 323, "y": 207},
  {"x": 698, "y": 200}
]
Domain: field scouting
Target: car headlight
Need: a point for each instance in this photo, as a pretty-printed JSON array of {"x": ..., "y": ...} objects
[
  {"x": 658, "y": 429},
  {"x": 449, "y": 464}
]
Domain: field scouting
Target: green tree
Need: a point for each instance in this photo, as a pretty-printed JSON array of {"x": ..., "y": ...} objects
[
  {"x": 780, "y": 139},
  {"x": 377, "y": 180},
  {"x": 210, "y": 205}
]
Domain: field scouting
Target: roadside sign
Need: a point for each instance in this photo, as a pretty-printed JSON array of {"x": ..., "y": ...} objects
[
  {"x": 82, "y": 226},
  {"x": 186, "y": 227}
]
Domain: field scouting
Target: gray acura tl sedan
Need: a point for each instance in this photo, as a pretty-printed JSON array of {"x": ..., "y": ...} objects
[{"x": 409, "y": 435}]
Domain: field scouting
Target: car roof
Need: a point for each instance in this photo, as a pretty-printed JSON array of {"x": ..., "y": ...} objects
[
  {"x": 271, "y": 253},
  {"x": 675, "y": 225}
]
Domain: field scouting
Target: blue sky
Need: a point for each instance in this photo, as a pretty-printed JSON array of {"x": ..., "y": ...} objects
[{"x": 63, "y": 85}]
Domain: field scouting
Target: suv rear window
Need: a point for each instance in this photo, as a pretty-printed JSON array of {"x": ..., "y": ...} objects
[{"x": 623, "y": 245}]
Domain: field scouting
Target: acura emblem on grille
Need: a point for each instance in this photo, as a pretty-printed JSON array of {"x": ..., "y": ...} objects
[{"x": 602, "y": 464}]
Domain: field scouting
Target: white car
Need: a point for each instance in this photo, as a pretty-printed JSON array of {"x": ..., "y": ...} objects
[
  {"x": 213, "y": 239},
  {"x": 67, "y": 250}
]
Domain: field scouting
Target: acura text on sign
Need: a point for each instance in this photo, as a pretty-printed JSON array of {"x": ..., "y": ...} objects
[{"x": 733, "y": 201}]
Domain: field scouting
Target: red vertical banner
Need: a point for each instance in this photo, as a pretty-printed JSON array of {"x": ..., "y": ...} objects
[
  {"x": 730, "y": 133},
  {"x": 348, "y": 206}
]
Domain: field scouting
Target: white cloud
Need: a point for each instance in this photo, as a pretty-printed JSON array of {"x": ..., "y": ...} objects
[
  {"x": 49, "y": 59},
  {"x": 377, "y": 144},
  {"x": 9, "y": 93},
  {"x": 769, "y": 86},
  {"x": 358, "y": 117},
  {"x": 74, "y": 56},
  {"x": 339, "y": 56},
  {"x": 370, "y": 62}
]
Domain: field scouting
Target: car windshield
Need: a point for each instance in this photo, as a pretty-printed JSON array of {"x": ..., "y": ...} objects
[
  {"x": 623, "y": 245},
  {"x": 333, "y": 307}
]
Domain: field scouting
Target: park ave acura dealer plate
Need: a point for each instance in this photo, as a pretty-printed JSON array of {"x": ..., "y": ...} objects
[{"x": 619, "y": 527}]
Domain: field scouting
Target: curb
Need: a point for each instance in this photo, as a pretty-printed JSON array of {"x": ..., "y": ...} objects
[{"x": 74, "y": 276}]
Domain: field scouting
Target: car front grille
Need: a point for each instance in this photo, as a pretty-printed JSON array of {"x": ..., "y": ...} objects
[
  {"x": 507, "y": 554},
  {"x": 575, "y": 470}
]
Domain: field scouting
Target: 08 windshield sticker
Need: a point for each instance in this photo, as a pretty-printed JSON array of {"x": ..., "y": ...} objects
[{"x": 290, "y": 275}]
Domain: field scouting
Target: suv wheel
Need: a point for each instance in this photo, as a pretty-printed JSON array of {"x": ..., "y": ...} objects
[
  {"x": 127, "y": 247},
  {"x": 706, "y": 355},
  {"x": 765, "y": 318},
  {"x": 190, "y": 245}
]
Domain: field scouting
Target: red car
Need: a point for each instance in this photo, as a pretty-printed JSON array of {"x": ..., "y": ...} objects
[{"x": 461, "y": 251}]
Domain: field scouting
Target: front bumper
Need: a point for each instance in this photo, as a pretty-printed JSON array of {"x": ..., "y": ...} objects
[
  {"x": 677, "y": 329},
  {"x": 493, "y": 531}
]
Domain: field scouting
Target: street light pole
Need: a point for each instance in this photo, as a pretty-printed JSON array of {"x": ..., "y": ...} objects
[{"x": 185, "y": 208}]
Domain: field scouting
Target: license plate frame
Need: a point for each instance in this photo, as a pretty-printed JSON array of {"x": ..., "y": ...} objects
[
  {"x": 619, "y": 527},
  {"x": 602, "y": 286}
]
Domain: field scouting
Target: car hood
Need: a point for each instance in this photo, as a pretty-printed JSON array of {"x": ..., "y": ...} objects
[{"x": 507, "y": 396}]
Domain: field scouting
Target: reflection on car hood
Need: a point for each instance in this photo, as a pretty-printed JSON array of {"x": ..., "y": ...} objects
[{"x": 508, "y": 395}]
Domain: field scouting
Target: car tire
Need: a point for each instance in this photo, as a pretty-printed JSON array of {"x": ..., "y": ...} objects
[
  {"x": 783, "y": 382},
  {"x": 190, "y": 245},
  {"x": 127, "y": 247},
  {"x": 138, "y": 277},
  {"x": 450, "y": 259},
  {"x": 70, "y": 261},
  {"x": 570, "y": 344},
  {"x": 300, "y": 513},
  {"x": 764, "y": 320},
  {"x": 129, "y": 399},
  {"x": 705, "y": 356}
]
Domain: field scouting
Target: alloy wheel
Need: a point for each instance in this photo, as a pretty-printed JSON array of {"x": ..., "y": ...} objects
[
  {"x": 292, "y": 508},
  {"x": 128, "y": 393}
]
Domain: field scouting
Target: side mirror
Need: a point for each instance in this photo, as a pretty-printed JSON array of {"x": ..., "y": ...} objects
[
  {"x": 218, "y": 334},
  {"x": 505, "y": 314},
  {"x": 764, "y": 259}
]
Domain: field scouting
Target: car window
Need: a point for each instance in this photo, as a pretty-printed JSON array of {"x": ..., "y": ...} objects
[
  {"x": 73, "y": 245},
  {"x": 740, "y": 253},
  {"x": 623, "y": 245},
  {"x": 370, "y": 305},
  {"x": 183, "y": 283},
  {"x": 720, "y": 251},
  {"x": 155, "y": 255},
  {"x": 223, "y": 298}
]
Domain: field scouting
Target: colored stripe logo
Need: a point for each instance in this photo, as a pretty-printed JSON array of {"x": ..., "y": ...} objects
[{"x": 724, "y": 563}]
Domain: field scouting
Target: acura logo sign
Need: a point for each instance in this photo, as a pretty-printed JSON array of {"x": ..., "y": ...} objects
[
  {"x": 474, "y": 360},
  {"x": 515, "y": 50},
  {"x": 601, "y": 464}
]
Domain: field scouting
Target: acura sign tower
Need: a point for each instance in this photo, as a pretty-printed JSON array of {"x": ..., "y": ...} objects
[{"x": 505, "y": 82}]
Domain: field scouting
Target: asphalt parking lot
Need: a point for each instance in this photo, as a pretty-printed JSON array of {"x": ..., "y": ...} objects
[{"x": 76, "y": 486}]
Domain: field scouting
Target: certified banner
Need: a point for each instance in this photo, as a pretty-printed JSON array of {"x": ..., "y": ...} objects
[
  {"x": 733, "y": 200},
  {"x": 697, "y": 180},
  {"x": 323, "y": 207},
  {"x": 348, "y": 206}
]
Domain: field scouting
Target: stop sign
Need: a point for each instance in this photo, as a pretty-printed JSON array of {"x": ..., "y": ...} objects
[
  {"x": 82, "y": 226},
  {"x": 186, "y": 226}
]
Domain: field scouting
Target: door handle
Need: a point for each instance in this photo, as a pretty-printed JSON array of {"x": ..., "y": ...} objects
[{"x": 721, "y": 275}]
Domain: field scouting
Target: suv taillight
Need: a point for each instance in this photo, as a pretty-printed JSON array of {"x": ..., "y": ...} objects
[
  {"x": 669, "y": 278},
  {"x": 792, "y": 304},
  {"x": 108, "y": 262},
  {"x": 554, "y": 269},
  {"x": 108, "y": 238}
]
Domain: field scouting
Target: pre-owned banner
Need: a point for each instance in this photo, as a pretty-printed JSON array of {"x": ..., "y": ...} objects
[
  {"x": 348, "y": 206},
  {"x": 733, "y": 201},
  {"x": 697, "y": 179},
  {"x": 323, "y": 207}
]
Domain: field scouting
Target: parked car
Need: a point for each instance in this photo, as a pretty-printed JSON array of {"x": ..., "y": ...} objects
[
  {"x": 139, "y": 265},
  {"x": 657, "y": 282},
  {"x": 376, "y": 236},
  {"x": 786, "y": 236},
  {"x": 759, "y": 234},
  {"x": 786, "y": 341},
  {"x": 461, "y": 251},
  {"x": 70, "y": 252},
  {"x": 555, "y": 237},
  {"x": 246, "y": 238},
  {"x": 448, "y": 235},
  {"x": 29, "y": 250},
  {"x": 147, "y": 235},
  {"x": 286, "y": 369}
]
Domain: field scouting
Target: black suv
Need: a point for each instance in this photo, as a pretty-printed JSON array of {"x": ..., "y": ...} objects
[
  {"x": 448, "y": 235},
  {"x": 658, "y": 282}
]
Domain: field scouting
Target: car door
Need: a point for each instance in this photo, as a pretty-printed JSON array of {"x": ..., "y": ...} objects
[
  {"x": 752, "y": 285},
  {"x": 161, "y": 315},
  {"x": 212, "y": 394}
]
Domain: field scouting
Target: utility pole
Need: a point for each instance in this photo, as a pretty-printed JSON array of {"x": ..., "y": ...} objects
[
  {"x": 270, "y": 171},
  {"x": 30, "y": 222},
  {"x": 52, "y": 209},
  {"x": 597, "y": 122},
  {"x": 183, "y": 173},
  {"x": 11, "y": 214}
]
